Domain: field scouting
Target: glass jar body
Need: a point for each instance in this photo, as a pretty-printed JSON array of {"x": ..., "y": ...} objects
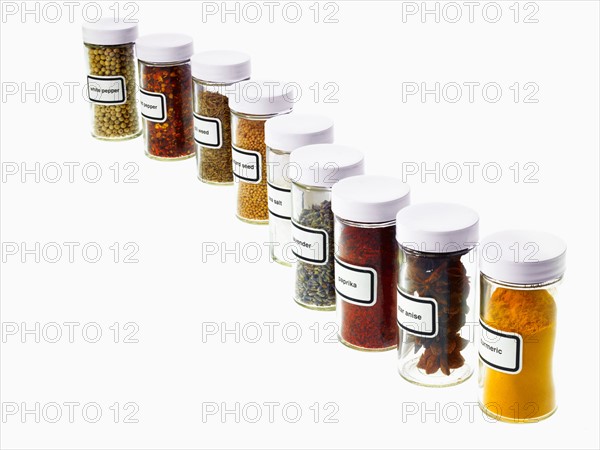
[
  {"x": 366, "y": 273},
  {"x": 279, "y": 191},
  {"x": 212, "y": 132},
  {"x": 167, "y": 109},
  {"x": 516, "y": 346},
  {"x": 112, "y": 91},
  {"x": 249, "y": 160},
  {"x": 312, "y": 237},
  {"x": 435, "y": 302}
]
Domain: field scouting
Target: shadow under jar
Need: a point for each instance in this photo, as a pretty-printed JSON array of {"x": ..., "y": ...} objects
[
  {"x": 366, "y": 259},
  {"x": 252, "y": 104},
  {"x": 318, "y": 168},
  {"x": 518, "y": 324},
  {"x": 112, "y": 79},
  {"x": 436, "y": 288},
  {"x": 166, "y": 101},
  {"x": 215, "y": 73}
]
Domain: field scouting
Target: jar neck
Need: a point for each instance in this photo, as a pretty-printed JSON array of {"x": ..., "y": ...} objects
[
  {"x": 242, "y": 115},
  {"x": 165, "y": 64},
  {"x": 391, "y": 223},
  {"x": 305, "y": 187},
  {"x": 217, "y": 83},
  {"x": 522, "y": 286}
]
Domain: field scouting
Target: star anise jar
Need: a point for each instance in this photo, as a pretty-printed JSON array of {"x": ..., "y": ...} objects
[
  {"x": 165, "y": 96},
  {"x": 436, "y": 288}
]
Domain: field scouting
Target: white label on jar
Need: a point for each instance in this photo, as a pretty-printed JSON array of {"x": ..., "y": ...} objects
[
  {"x": 309, "y": 244},
  {"x": 355, "y": 284},
  {"x": 106, "y": 90},
  {"x": 500, "y": 350},
  {"x": 153, "y": 106},
  {"x": 280, "y": 201},
  {"x": 417, "y": 315},
  {"x": 247, "y": 165},
  {"x": 208, "y": 131}
]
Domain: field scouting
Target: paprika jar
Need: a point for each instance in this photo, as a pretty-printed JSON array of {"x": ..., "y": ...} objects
[
  {"x": 252, "y": 104},
  {"x": 366, "y": 259},
  {"x": 317, "y": 169},
  {"x": 166, "y": 95},
  {"x": 214, "y": 73},
  {"x": 520, "y": 276},
  {"x": 436, "y": 288},
  {"x": 112, "y": 79},
  {"x": 282, "y": 135}
]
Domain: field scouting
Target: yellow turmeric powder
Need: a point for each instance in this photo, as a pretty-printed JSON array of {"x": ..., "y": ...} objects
[{"x": 528, "y": 395}]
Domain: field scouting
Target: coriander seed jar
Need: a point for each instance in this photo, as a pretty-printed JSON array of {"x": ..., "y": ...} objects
[
  {"x": 283, "y": 134},
  {"x": 520, "y": 276},
  {"x": 252, "y": 104},
  {"x": 366, "y": 259},
  {"x": 318, "y": 168},
  {"x": 166, "y": 95},
  {"x": 436, "y": 288},
  {"x": 112, "y": 78},
  {"x": 214, "y": 74}
]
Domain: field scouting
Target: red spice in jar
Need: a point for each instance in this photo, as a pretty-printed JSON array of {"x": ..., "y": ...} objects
[
  {"x": 371, "y": 327},
  {"x": 173, "y": 138}
]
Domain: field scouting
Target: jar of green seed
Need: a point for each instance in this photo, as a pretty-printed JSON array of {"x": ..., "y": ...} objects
[{"x": 111, "y": 81}]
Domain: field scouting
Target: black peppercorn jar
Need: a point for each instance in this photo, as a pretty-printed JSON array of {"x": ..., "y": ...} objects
[
  {"x": 112, "y": 78},
  {"x": 314, "y": 170},
  {"x": 436, "y": 290},
  {"x": 166, "y": 95}
]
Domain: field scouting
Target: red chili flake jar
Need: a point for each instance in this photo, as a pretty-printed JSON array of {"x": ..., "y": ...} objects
[
  {"x": 166, "y": 101},
  {"x": 366, "y": 259}
]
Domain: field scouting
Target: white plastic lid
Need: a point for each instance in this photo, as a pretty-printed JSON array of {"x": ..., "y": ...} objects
[
  {"x": 323, "y": 165},
  {"x": 287, "y": 133},
  {"x": 437, "y": 227},
  {"x": 221, "y": 66},
  {"x": 369, "y": 198},
  {"x": 164, "y": 47},
  {"x": 261, "y": 98},
  {"x": 108, "y": 32},
  {"x": 523, "y": 257}
]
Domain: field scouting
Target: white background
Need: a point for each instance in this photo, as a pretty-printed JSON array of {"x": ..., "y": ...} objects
[{"x": 169, "y": 214}]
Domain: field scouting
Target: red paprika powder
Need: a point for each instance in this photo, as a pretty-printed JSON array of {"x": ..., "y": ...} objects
[{"x": 366, "y": 263}]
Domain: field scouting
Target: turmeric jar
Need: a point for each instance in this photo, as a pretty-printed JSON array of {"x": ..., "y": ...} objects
[{"x": 520, "y": 274}]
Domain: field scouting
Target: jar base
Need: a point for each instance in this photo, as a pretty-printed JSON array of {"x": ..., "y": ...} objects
[
  {"x": 162, "y": 158},
  {"x": 410, "y": 372},
  {"x": 506, "y": 419},
  {"x": 216, "y": 183},
  {"x": 365, "y": 349},
  {"x": 117, "y": 139},
  {"x": 315, "y": 307},
  {"x": 253, "y": 221}
]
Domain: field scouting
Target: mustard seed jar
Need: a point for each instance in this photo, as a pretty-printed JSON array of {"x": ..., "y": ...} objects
[
  {"x": 366, "y": 259},
  {"x": 521, "y": 271},
  {"x": 252, "y": 104},
  {"x": 436, "y": 287},
  {"x": 112, "y": 77},
  {"x": 284, "y": 134},
  {"x": 214, "y": 74},
  {"x": 317, "y": 168},
  {"x": 166, "y": 95}
]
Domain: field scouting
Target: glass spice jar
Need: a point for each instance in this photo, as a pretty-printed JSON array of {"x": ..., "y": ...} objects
[
  {"x": 520, "y": 275},
  {"x": 283, "y": 135},
  {"x": 111, "y": 81},
  {"x": 214, "y": 73},
  {"x": 317, "y": 169},
  {"x": 366, "y": 259},
  {"x": 252, "y": 104},
  {"x": 436, "y": 287},
  {"x": 166, "y": 95}
]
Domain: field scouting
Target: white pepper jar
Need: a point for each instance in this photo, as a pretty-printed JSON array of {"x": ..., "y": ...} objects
[
  {"x": 214, "y": 74},
  {"x": 283, "y": 135},
  {"x": 112, "y": 79},
  {"x": 436, "y": 291},
  {"x": 317, "y": 169},
  {"x": 252, "y": 104}
]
